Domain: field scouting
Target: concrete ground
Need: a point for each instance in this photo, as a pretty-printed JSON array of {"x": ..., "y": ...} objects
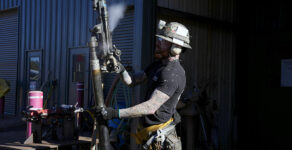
[
  {"x": 12, "y": 130},
  {"x": 13, "y": 135}
]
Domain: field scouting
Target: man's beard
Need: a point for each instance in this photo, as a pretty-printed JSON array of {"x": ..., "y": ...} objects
[
  {"x": 157, "y": 56},
  {"x": 161, "y": 55}
]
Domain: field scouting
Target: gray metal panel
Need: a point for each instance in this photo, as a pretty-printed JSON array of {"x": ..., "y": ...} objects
[
  {"x": 123, "y": 38},
  {"x": 8, "y": 53}
]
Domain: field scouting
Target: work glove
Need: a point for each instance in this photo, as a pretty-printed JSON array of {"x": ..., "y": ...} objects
[{"x": 107, "y": 113}]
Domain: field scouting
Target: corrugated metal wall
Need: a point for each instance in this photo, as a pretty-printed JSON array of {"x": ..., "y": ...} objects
[
  {"x": 128, "y": 2},
  {"x": 11, "y": 73},
  {"x": 212, "y": 59},
  {"x": 221, "y": 10},
  {"x": 53, "y": 27},
  {"x": 6, "y": 4},
  {"x": 65, "y": 25},
  {"x": 9, "y": 54},
  {"x": 123, "y": 38}
]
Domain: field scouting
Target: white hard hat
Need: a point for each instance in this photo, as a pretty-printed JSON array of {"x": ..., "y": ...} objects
[{"x": 174, "y": 32}]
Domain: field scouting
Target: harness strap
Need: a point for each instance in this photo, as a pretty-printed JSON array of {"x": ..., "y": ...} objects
[
  {"x": 159, "y": 136},
  {"x": 143, "y": 134}
]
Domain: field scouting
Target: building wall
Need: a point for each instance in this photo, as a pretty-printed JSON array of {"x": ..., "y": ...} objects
[
  {"x": 212, "y": 58},
  {"x": 268, "y": 29},
  {"x": 9, "y": 68},
  {"x": 6, "y": 4},
  {"x": 52, "y": 28},
  {"x": 9, "y": 54},
  {"x": 220, "y": 10}
]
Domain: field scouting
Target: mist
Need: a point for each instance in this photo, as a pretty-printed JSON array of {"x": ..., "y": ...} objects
[{"x": 116, "y": 13}]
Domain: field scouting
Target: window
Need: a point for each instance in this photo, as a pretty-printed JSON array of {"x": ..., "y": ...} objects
[
  {"x": 78, "y": 70},
  {"x": 34, "y": 70}
]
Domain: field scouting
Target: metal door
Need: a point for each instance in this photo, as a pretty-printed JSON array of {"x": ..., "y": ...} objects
[
  {"x": 78, "y": 74},
  {"x": 8, "y": 55}
]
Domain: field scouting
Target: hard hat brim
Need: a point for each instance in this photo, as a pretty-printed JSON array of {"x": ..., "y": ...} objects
[{"x": 170, "y": 40}]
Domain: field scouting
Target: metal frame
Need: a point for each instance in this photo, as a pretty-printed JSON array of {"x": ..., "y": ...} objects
[
  {"x": 26, "y": 75},
  {"x": 68, "y": 73}
]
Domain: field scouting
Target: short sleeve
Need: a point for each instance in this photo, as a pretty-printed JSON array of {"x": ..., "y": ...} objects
[
  {"x": 166, "y": 83},
  {"x": 151, "y": 66}
]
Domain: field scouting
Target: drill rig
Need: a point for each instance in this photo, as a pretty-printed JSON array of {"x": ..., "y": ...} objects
[{"x": 105, "y": 59}]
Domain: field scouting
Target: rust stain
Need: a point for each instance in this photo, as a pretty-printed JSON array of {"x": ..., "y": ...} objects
[{"x": 96, "y": 72}]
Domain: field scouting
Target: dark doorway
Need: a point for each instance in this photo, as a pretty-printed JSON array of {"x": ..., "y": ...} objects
[{"x": 78, "y": 74}]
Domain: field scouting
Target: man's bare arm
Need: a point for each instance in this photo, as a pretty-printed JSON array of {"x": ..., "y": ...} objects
[
  {"x": 138, "y": 78},
  {"x": 146, "y": 108}
]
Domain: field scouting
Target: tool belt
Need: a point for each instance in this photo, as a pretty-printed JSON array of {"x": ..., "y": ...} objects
[
  {"x": 143, "y": 134},
  {"x": 158, "y": 140},
  {"x": 159, "y": 137}
]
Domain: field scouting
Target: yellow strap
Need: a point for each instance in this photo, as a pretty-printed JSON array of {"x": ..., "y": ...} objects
[
  {"x": 91, "y": 114},
  {"x": 142, "y": 135}
]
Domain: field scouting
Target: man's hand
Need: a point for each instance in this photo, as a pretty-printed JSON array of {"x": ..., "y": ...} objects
[{"x": 107, "y": 113}]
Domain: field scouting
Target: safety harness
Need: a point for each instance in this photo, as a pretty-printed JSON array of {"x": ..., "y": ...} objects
[
  {"x": 159, "y": 136},
  {"x": 143, "y": 134}
]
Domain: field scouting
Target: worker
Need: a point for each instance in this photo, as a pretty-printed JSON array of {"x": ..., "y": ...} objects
[{"x": 166, "y": 81}]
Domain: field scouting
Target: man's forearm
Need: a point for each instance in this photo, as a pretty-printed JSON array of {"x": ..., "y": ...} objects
[
  {"x": 137, "y": 111},
  {"x": 146, "y": 108}
]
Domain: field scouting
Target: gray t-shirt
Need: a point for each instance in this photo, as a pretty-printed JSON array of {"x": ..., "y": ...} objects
[{"x": 169, "y": 79}]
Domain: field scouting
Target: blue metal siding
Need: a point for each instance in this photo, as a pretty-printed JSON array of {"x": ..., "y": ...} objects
[
  {"x": 123, "y": 38},
  {"x": 63, "y": 54},
  {"x": 10, "y": 74},
  {"x": 127, "y": 2},
  {"x": 8, "y": 55},
  {"x": 7, "y": 4},
  {"x": 55, "y": 26}
]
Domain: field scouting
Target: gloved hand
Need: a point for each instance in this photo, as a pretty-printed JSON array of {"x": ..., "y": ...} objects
[{"x": 107, "y": 113}]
